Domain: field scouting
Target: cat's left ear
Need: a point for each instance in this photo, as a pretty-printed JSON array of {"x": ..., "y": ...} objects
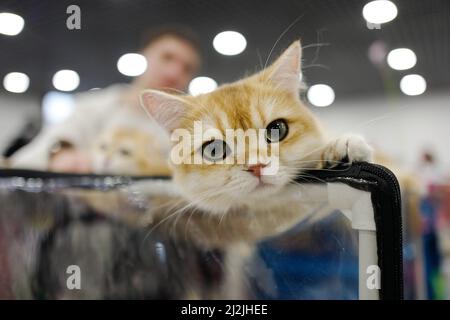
[
  {"x": 286, "y": 70},
  {"x": 166, "y": 109}
]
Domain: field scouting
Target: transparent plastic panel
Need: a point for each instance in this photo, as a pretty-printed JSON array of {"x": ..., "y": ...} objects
[{"x": 98, "y": 238}]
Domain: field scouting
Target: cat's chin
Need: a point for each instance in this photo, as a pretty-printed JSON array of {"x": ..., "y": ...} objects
[{"x": 263, "y": 195}]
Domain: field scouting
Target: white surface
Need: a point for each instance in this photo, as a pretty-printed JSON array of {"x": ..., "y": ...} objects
[
  {"x": 355, "y": 204},
  {"x": 400, "y": 126},
  {"x": 367, "y": 257}
]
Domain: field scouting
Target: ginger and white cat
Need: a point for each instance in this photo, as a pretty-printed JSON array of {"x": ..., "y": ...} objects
[
  {"x": 129, "y": 151},
  {"x": 246, "y": 202}
]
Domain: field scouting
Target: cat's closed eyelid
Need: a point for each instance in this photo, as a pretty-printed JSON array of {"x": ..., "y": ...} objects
[{"x": 125, "y": 152}]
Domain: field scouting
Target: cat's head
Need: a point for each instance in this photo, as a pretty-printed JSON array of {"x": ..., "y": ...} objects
[
  {"x": 127, "y": 151},
  {"x": 227, "y": 175}
]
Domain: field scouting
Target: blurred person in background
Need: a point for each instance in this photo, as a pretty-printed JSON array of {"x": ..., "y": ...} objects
[
  {"x": 173, "y": 57},
  {"x": 430, "y": 170}
]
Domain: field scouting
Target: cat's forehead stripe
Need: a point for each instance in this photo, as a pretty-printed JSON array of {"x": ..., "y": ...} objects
[{"x": 257, "y": 115}]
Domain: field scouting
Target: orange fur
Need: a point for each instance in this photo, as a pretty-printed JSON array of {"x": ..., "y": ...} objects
[
  {"x": 129, "y": 151},
  {"x": 251, "y": 103}
]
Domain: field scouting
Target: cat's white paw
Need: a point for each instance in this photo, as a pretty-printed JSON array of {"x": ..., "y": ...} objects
[{"x": 346, "y": 149}]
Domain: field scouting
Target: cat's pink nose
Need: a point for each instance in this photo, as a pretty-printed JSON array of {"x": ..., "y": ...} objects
[{"x": 256, "y": 169}]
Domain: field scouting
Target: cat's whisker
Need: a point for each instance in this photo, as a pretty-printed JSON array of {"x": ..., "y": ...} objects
[
  {"x": 313, "y": 45},
  {"x": 258, "y": 53},
  {"x": 169, "y": 89},
  {"x": 316, "y": 150},
  {"x": 190, "y": 207},
  {"x": 315, "y": 161},
  {"x": 222, "y": 217},
  {"x": 384, "y": 116},
  {"x": 184, "y": 210},
  {"x": 316, "y": 56},
  {"x": 168, "y": 207},
  {"x": 309, "y": 176},
  {"x": 157, "y": 225},
  {"x": 316, "y": 65},
  {"x": 187, "y": 222},
  {"x": 327, "y": 169},
  {"x": 171, "y": 215},
  {"x": 194, "y": 206},
  {"x": 281, "y": 36}
]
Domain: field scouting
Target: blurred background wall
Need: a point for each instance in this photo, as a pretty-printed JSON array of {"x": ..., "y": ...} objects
[
  {"x": 15, "y": 113},
  {"x": 402, "y": 127}
]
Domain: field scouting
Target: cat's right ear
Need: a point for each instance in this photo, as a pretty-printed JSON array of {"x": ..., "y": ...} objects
[
  {"x": 166, "y": 109},
  {"x": 285, "y": 71}
]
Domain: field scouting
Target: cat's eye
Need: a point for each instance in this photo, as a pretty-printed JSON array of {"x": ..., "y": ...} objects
[
  {"x": 215, "y": 150},
  {"x": 276, "y": 131},
  {"x": 125, "y": 152}
]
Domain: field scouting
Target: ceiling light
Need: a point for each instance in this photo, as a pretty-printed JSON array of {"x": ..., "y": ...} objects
[
  {"x": 380, "y": 11},
  {"x": 413, "y": 85},
  {"x": 229, "y": 43},
  {"x": 132, "y": 64},
  {"x": 57, "y": 107},
  {"x": 16, "y": 82},
  {"x": 401, "y": 59},
  {"x": 11, "y": 24},
  {"x": 201, "y": 85},
  {"x": 321, "y": 95},
  {"x": 66, "y": 80}
]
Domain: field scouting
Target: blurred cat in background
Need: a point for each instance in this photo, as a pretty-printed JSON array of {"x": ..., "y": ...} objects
[
  {"x": 124, "y": 148},
  {"x": 129, "y": 151}
]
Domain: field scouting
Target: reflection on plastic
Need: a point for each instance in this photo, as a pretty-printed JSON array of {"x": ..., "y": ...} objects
[{"x": 97, "y": 229}]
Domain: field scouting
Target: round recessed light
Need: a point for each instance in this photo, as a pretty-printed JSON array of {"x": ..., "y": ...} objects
[
  {"x": 57, "y": 107},
  {"x": 16, "y": 82},
  {"x": 11, "y": 24},
  {"x": 413, "y": 85},
  {"x": 380, "y": 11},
  {"x": 201, "y": 85},
  {"x": 132, "y": 64},
  {"x": 66, "y": 80},
  {"x": 229, "y": 43},
  {"x": 321, "y": 95},
  {"x": 401, "y": 59}
]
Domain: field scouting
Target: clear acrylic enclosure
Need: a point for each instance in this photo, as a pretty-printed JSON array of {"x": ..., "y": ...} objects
[{"x": 92, "y": 237}]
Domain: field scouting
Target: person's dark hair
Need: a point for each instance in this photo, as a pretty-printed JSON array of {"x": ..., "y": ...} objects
[{"x": 176, "y": 31}]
